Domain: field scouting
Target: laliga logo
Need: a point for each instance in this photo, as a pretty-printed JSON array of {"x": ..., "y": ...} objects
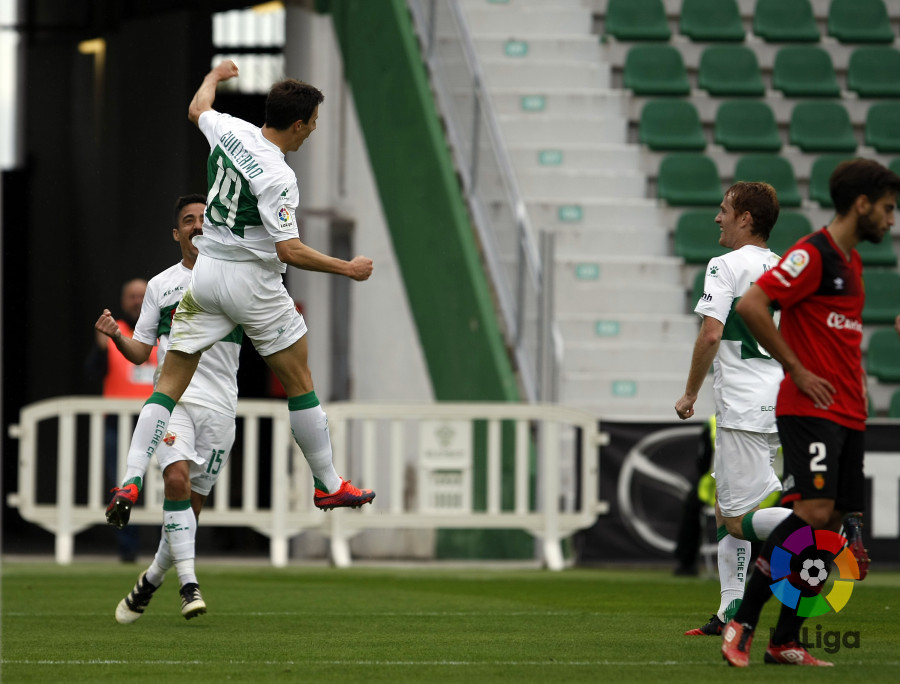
[{"x": 813, "y": 572}]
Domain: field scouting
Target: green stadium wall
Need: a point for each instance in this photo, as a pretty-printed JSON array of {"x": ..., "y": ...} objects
[
  {"x": 432, "y": 235},
  {"x": 420, "y": 194}
]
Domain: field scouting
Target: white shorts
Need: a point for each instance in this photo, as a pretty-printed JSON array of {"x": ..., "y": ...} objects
[
  {"x": 223, "y": 294},
  {"x": 202, "y": 436},
  {"x": 743, "y": 469}
]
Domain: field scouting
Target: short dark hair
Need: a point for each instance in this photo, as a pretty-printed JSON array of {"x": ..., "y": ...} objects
[
  {"x": 761, "y": 200},
  {"x": 289, "y": 101},
  {"x": 856, "y": 177},
  {"x": 184, "y": 200}
]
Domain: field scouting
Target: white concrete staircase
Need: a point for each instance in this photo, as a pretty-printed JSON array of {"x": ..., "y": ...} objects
[{"x": 620, "y": 297}]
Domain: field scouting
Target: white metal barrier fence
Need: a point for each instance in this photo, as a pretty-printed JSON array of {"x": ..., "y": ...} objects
[{"x": 540, "y": 471}]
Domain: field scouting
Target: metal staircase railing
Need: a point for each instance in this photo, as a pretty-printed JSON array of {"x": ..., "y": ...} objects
[{"x": 519, "y": 263}]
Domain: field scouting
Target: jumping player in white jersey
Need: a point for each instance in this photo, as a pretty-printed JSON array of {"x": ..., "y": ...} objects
[
  {"x": 200, "y": 433},
  {"x": 745, "y": 384},
  {"x": 250, "y": 235}
]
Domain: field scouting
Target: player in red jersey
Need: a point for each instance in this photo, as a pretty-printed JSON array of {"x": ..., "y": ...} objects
[{"x": 822, "y": 405}]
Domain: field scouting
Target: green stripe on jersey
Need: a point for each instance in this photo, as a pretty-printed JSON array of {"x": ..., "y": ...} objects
[
  {"x": 236, "y": 336},
  {"x": 165, "y": 319},
  {"x": 736, "y": 330}
]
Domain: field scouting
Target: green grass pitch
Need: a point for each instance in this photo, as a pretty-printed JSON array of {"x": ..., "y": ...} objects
[{"x": 423, "y": 624}]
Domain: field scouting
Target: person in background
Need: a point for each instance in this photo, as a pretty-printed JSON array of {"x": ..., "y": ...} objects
[{"x": 121, "y": 379}]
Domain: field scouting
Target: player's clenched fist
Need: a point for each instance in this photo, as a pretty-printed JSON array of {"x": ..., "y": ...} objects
[
  {"x": 361, "y": 268},
  {"x": 107, "y": 325}
]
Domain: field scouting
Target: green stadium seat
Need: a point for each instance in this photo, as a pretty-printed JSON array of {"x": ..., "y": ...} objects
[
  {"x": 874, "y": 72},
  {"x": 697, "y": 237},
  {"x": 671, "y": 125},
  {"x": 637, "y": 20},
  {"x": 883, "y": 355},
  {"x": 882, "y": 296},
  {"x": 789, "y": 228},
  {"x": 894, "y": 165},
  {"x": 656, "y": 70},
  {"x": 894, "y": 407},
  {"x": 785, "y": 21},
  {"x": 859, "y": 21},
  {"x": 711, "y": 20},
  {"x": 730, "y": 71},
  {"x": 883, "y": 127},
  {"x": 804, "y": 71},
  {"x": 881, "y": 254},
  {"x": 820, "y": 174},
  {"x": 687, "y": 179},
  {"x": 743, "y": 125},
  {"x": 822, "y": 127},
  {"x": 774, "y": 170}
]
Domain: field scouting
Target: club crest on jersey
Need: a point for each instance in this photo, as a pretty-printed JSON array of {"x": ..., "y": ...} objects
[
  {"x": 170, "y": 438},
  {"x": 795, "y": 262}
]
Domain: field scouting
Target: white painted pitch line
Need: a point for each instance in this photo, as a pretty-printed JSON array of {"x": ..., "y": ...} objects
[
  {"x": 295, "y": 613},
  {"x": 403, "y": 663},
  {"x": 383, "y": 663}
]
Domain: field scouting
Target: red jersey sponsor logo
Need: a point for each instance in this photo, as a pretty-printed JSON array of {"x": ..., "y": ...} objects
[{"x": 841, "y": 322}]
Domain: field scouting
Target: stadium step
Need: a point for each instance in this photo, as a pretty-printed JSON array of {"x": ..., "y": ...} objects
[
  {"x": 620, "y": 240},
  {"x": 650, "y": 297},
  {"x": 632, "y": 394},
  {"x": 626, "y": 356},
  {"x": 608, "y": 156},
  {"x": 637, "y": 214},
  {"x": 529, "y": 19},
  {"x": 617, "y": 328},
  {"x": 557, "y": 101},
  {"x": 573, "y": 185},
  {"x": 535, "y": 75},
  {"x": 549, "y": 130},
  {"x": 538, "y": 48},
  {"x": 589, "y": 269}
]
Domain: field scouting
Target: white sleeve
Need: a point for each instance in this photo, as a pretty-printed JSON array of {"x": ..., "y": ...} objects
[
  {"x": 148, "y": 322},
  {"x": 718, "y": 291},
  {"x": 277, "y": 205},
  {"x": 207, "y": 125}
]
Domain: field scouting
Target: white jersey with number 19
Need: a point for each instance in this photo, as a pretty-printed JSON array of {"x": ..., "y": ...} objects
[{"x": 253, "y": 195}]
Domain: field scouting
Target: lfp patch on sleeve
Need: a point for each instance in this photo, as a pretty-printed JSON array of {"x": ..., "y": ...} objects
[
  {"x": 285, "y": 219},
  {"x": 795, "y": 262}
]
